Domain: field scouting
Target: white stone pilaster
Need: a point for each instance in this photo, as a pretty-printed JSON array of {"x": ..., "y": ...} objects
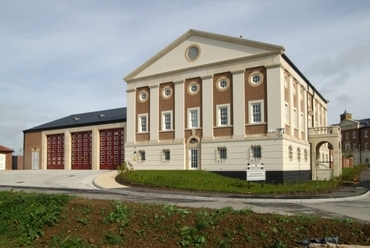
[
  {"x": 207, "y": 107},
  {"x": 67, "y": 150},
  {"x": 275, "y": 95},
  {"x": 95, "y": 143},
  {"x": 238, "y": 104},
  {"x": 179, "y": 110},
  {"x": 154, "y": 113},
  {"x": 130, "y": 116}
]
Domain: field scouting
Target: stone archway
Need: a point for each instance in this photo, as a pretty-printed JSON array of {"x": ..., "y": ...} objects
[{"x": 318, "y": 136}]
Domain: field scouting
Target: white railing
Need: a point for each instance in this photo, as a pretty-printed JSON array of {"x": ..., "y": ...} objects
[{"x": 324, "y": 130}]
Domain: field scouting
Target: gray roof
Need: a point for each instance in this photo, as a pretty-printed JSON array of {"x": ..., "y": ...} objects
[
  {"x": 365, "y": 122},
  {"x": 84, "y": 119}
]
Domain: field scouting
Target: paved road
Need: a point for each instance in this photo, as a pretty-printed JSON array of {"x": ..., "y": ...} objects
[{"x": 81, "y": 183}]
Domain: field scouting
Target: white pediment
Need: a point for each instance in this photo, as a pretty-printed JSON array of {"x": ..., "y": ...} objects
[
  {"x": 212, "y": 48},
  {"x": 349, "y": 124}
]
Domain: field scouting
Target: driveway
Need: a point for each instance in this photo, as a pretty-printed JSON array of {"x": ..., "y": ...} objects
[{"x": 70, "y": 179}]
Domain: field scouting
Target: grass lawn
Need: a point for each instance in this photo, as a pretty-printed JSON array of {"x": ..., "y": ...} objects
[{"x": 199, "y": 180}]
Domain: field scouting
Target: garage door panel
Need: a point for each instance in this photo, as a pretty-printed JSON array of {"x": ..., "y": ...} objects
[
  {"x": 111, "y": 148},
  {"x": 55, "y": 151},
  {"x": 82, "y": 150}
]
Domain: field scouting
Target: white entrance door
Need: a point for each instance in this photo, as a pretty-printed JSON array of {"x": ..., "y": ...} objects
[
  {"x": 35, "y": 160},
  {"x": 194, "y": 158},
  {"x": 2, "y": 161}
]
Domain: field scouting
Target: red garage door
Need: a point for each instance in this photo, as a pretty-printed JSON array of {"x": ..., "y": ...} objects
[
  {"x": 81, "y": 150},
  {"x": 55, "y": 151},
  {"x": 112, "y": 149}
]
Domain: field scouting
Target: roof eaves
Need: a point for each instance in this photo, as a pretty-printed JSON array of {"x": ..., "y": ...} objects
[{"x": 302, "y": 76}]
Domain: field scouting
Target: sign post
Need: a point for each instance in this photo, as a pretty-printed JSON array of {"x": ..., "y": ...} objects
[{"x": 256, "y": 172}]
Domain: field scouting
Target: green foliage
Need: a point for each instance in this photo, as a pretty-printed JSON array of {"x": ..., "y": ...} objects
[
  {"x": 68, "y": 242},
  {"x": 24, "y": 215},
  {"x": 113, "y": 239},
  {"x": 119, "y": 215},
  {"x": 353, "y": 174},
  {"x": 191, "y": 238}
]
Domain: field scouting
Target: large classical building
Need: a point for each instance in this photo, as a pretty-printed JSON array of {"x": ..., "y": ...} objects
[
  {"x": 355, "y": 138},
  {"x": 206, "y": 101},
  {"x": 218, "y": 103}
]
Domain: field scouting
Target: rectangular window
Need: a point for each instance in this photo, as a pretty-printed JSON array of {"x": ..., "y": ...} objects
[
  {"x": 348, "y": 146},
  {"x": 286, "y": 113},
  {"x": 256, "y": 152},
  {"x": 167, "y": 120},
  {"x": 354, "y": 135},
  {"x": 256, "y": 111},
  {"x": 366, "y": 146},
  {"x": 354, "y": 146},
  {"x": 143, "y": 123},
  {"x": 366, "y": 134},
  {"x": 290, "y": 153},
  {"x": 142, "y": 155},
  {"x": 305, "y": 155},
  {"x": 193, "y": 118},
  {"x": 223, "y": 115},
  {"x": 347, "y": 135},
  {"x": 295, "y": 118},
  {"x": 222, "y": 152},
  {"x": 166, "y": 154},
  {"x": 302, "y": 121}
]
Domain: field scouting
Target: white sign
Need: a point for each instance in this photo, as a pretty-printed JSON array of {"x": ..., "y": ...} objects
[{"x": 256, "y": 172}]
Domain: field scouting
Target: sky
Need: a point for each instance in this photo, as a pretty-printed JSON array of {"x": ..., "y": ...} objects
[{"x": 59, "y": 58}]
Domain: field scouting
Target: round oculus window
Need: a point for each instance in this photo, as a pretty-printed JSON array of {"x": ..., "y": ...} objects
[
  {"x": 143, "y": 96},
  {"x": 255, "y": 78},
  {"x": 167, "y": 92},
  {"x": 193, "y": 88},
  {"x": 223, "y": 84},
  {"x": 192, "y": 53}
]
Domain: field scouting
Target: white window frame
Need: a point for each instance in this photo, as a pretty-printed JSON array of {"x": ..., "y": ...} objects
[
  {"x": 190, "y": 123},
  {"x": 302, "y": 121},
  {"x": 219, "y": 108},
  {"x": 354, "y": 135},
  {"x": 166, "y": 154},
  {"x": 139, "y": 122},
  {"x": 222, "y": 152},
  {"x": 142, "y": 155},
  {"x": 295, "y": 118},
  {"x": 347, "y": 146},
  {"x": 254, "y": 151},
  {"x": 366, "y": 134},
  {"x": 290, "y": 152},
  {"x": 366, "y": 146},
  {"x": 164, "y": 126},
  {"x": 251, "y": 118},
  {"x": 347, "y": 135},
  {"x": 287, "y": 113},
  {"x": 354, "y": 146}
]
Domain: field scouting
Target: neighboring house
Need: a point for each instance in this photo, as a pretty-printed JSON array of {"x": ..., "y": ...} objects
[
  {"x": 5, "y": 158},
  {"x": 93, "y": 140},
  {"x": 218, "y": 103},
  {"x": 355, "y": 138}
]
